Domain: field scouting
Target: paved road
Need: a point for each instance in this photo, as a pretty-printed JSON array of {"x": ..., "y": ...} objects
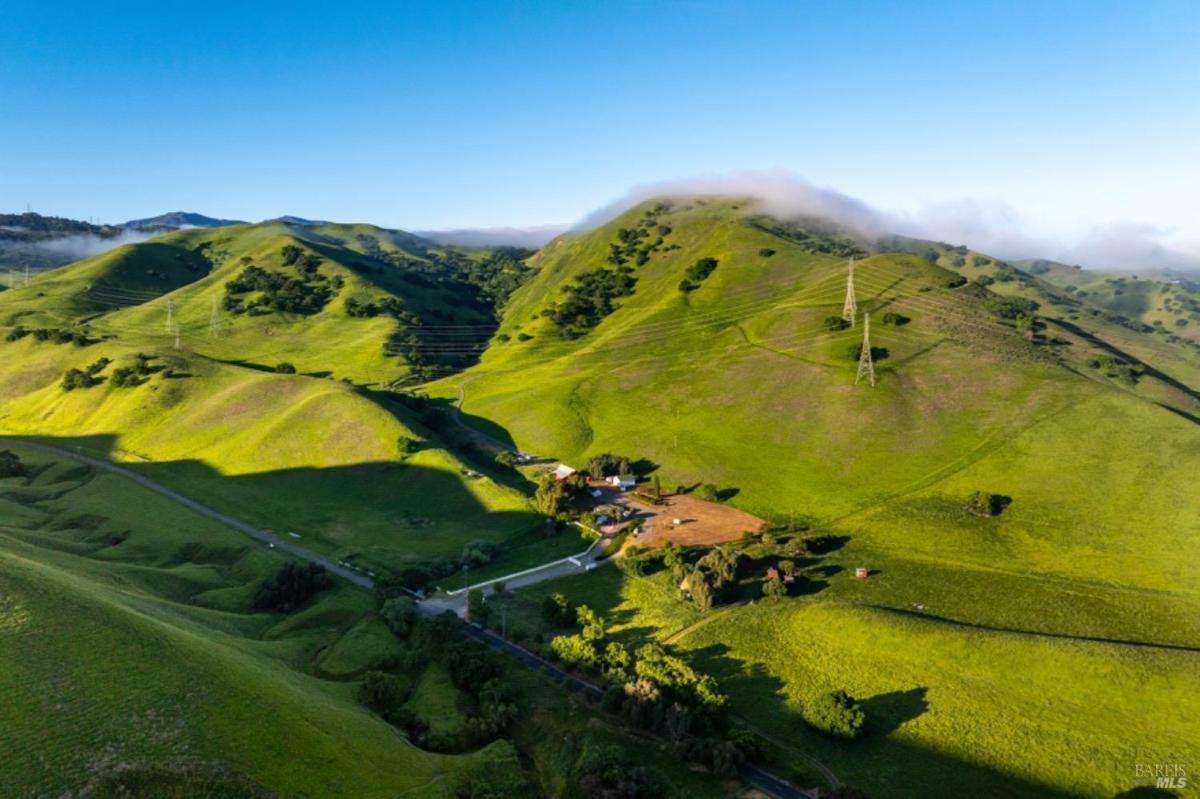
[
  {"x": 754, "y": 775},
  {"x": 456, "y": 601},
  {"x": 212, "y": 513}
]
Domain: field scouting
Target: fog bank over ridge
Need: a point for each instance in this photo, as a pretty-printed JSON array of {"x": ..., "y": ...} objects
[{"x": 991, "y": 227}]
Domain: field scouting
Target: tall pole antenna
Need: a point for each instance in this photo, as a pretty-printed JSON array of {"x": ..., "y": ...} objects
[
  {"x": 865, "y": 365},
  {"x": 170, "y": 315},
  {"x": 850, "y": 309}
]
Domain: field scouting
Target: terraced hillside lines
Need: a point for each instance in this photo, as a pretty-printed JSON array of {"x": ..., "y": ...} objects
[{"x": 129, "y": 657}]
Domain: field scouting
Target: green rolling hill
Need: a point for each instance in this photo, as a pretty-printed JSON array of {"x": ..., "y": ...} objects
[
  {"x": 319, "y": 450},
  {"x": 627, "y": 340},
  {"x": 133, "y": 664},
  {"x": 303, "y": 377}
]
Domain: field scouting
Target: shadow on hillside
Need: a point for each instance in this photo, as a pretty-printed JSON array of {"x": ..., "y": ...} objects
[
  {"x": 887, "y": 712},
  {"x": 390, "y": 514},
  {"x": 880, "y": 762},
  {"x": 1115, "y": 351}
]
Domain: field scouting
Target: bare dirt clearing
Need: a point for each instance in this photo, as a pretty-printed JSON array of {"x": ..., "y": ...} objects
[{"x": 701, "y": 522}]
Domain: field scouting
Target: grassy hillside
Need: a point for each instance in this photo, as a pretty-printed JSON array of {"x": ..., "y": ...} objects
[
  {"x": 290, "y": 453},
  {"x": 130, "y": 659},
  {"x": 132, "y": 664},
  {"x": 319, "y": 450},
  {"x": 1082, "y": 421},
  {"x": 1171, "y": 306},
  {"x": 353, "y": 301}
]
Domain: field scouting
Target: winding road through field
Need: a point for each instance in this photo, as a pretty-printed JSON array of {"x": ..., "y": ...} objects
[{"x": 756, "y": 776}]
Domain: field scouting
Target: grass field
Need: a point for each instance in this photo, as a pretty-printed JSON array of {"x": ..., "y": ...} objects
[
  {"x": 1047, "y": 650},
  {"x": 1032, "y": 638},
  {"x": 130, "y": 658},
  {"x": 951, "y": 707}
]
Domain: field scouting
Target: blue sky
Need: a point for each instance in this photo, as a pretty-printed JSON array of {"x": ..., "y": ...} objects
[{"x": 1053, "y": 117}]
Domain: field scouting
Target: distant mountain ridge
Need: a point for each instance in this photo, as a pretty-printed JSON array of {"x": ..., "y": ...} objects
[
  {"x": 175, "y": 220},
  {"x": 534, "y": 236}
]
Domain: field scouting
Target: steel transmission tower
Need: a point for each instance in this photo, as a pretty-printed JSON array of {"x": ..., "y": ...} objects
[
  {"x": 865, "y": 365},
  {"x": 170, "y": 316},
  {"x": 850, "y": 309}
]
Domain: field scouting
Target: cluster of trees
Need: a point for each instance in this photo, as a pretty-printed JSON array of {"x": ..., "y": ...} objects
[
  {"x": 291, "y": 587},
  {"x": 589, "y": 299},
  {"x": 835, "y": 323},
  {"x": 655, "y": 690},
  {"x": 84, "y": 378},
  {"x": 556, "y": 498},
  {"x": 1012, "y": 307},
  {"x": 635, "y": 244},
  {"x": 607, "y": 464},
  {"x": 895, "y": 319},
  {"x": 135, "y": 375},
  {"x": 11, "y": 465},
  {"x": 775, "y": 586},
  {"x": 697, "y": 273},
  {"x": 1117, "y": 368},
  {"x": 486, "y": 699},
  {"x": 55, "y": 335},
  {"x": 706, "y": 582},
  {"x": 479, "y": 553},
  {"x": 306, "y": 294}
]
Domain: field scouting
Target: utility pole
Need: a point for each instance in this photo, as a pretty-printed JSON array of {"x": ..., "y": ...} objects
[
  {"x": 865, "y": 365},
  {"x": 171, "y": 316},
  {"x": 850, "y": 309}
]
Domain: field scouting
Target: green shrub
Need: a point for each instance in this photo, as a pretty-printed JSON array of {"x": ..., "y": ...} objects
[{"x": 835, "y": 713}]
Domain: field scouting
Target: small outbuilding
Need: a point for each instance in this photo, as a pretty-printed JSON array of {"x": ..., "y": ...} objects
[
  {"x": 563, "y": 471},
  {"x": 623, "y": 481}
]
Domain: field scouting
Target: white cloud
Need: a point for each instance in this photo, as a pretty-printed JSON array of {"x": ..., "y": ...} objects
[{"x": 988, "y": 226}]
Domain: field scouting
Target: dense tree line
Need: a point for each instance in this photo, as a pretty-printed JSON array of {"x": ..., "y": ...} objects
[{"x": 54, "y": 335}]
